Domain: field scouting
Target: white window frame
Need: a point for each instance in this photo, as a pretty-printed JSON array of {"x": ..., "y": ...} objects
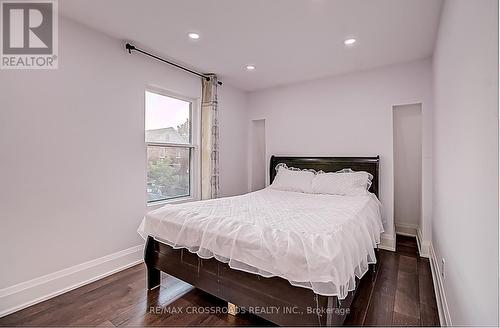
[{"x": 194, "y": 165}]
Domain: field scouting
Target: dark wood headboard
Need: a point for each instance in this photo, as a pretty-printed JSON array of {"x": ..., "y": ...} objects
[{"x": 330, "y": 164}]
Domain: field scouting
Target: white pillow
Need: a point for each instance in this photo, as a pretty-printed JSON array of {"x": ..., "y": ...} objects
[
  {"x": 348, "y": 183},
  {"x": 292, "y": 180}
]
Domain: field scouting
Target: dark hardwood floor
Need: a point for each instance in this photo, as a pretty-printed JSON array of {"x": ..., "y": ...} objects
[{"x": 400, "y": 293}]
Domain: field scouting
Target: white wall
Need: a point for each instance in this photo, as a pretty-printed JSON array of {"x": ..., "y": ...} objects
[
  {"x": 407, "y": 126},
  {"x": 348, "y": 115},
  {"x": 72, "y": 166},
  {"x": 233, "y": 140},
  {"x": 465, "y": 224}
]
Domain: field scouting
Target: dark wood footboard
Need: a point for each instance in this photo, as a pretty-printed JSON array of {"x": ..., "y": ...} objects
[{"x": 274, "y": 298}]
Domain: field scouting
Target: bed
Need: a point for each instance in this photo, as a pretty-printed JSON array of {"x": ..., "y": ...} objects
[{"x": 289, "y": 257}]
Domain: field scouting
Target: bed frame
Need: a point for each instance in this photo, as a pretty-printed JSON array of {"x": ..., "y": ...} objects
[{"x": 274, "y": 298}]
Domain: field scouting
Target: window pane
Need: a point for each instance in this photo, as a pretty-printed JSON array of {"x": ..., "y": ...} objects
[
  {"x": 167, "y": 119},
  {"x": 168, "y": 172}
]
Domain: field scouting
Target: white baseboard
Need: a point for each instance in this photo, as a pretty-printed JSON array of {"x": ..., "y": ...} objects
[
  {"x": 423, "y": 245},
  {"x": 22, "y": 295},
  {"x": 406, "y": 229},
  {"x": 387, "y": 242},
  {"x": 443, "y": 310}
]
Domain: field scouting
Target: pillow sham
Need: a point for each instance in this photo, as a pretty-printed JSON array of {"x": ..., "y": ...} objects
[
  {"x": 291, "y": 179},
  {"x": 345, "y": 183}
]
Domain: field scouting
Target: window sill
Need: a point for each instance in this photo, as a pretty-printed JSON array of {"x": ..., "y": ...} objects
[{"x": 172, "y": 201}]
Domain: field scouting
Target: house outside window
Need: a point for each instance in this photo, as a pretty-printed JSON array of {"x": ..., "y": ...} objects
[{"x": 171, "y": 146}]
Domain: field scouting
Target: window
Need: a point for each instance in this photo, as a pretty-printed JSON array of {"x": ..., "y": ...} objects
[{"x": 170, "y": 147}]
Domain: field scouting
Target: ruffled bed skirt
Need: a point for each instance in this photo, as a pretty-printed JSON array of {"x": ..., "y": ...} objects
[{"x": 320, "y": 242}]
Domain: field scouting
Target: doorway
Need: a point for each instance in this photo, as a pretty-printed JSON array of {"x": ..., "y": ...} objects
[
  {"x": 258, "y": 154},
  {"x": 407, "y": 143}
]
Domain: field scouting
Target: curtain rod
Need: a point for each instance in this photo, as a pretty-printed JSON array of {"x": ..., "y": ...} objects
[{"x": 131, "y": 47}]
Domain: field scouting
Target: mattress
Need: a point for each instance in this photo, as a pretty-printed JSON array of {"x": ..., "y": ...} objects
[{"x": 321, "y": 242}]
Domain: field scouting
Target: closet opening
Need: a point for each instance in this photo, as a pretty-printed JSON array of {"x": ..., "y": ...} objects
[
  {"x": 258, "y": 154},
  {"x": 407, "y": 148}
]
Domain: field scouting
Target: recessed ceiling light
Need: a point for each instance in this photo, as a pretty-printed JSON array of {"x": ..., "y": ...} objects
[
  {"x": 349, "y": 42},
  {"x": 250, "y": 67},
  {"x": 193, "y": 36}
]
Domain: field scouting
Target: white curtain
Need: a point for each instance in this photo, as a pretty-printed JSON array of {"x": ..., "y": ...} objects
[{"x": 209, "y": 139}]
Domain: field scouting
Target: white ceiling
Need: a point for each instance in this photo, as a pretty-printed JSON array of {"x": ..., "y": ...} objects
[{"x": 287, "y": 40}]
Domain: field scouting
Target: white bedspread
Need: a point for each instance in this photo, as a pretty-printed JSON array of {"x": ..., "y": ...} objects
[{"x": 321, "y": 242}]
